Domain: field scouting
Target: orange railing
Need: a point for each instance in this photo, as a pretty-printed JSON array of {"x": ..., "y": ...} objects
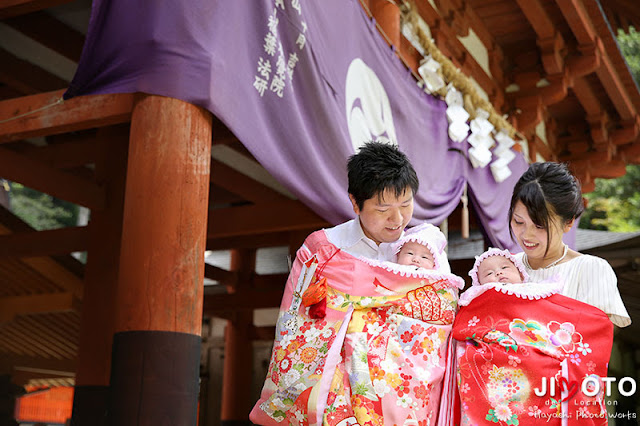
[{"x": 44, "y": 405}]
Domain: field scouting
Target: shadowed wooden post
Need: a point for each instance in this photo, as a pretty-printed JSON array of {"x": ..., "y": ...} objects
[
  {"x": 156, "y": 348},
  {"x": 101, "y": 277},
  {"x": 236, "y": 378}
]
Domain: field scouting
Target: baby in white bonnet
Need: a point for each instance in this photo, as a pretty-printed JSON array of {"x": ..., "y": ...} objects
[{"x": 422, "y": 247}]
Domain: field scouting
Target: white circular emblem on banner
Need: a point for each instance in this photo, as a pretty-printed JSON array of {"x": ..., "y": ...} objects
[{"x": 368, "y": 110}]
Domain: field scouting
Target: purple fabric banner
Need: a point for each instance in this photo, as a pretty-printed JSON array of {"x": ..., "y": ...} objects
[{"x": 301, "y": 84}]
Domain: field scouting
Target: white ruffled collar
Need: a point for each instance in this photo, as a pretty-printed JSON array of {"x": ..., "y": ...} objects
[
  {"x": 529, "y": 290},
  {"x": 412, "y": 271}
]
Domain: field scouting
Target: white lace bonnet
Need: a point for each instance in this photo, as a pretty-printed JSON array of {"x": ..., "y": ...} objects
[
  {"x": 429, "y": 236},
  {"x": 473, "y": 273}
]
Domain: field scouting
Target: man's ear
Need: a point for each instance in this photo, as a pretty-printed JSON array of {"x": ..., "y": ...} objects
[{"x": 356, "y": 209}]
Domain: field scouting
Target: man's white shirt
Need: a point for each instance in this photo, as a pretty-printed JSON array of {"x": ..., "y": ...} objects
[{"x": 350, "y": 237}]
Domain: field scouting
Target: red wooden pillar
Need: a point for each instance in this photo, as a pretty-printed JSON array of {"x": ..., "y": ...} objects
[
  {"x": 91, "y": 393},
  {"x": 156, "y": 347},
  {"x": 236, "y": 378},
  {"x": 387, "y": 15}
]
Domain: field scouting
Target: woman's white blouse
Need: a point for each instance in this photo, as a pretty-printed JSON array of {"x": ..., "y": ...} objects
[{"x": 589, "y": 279}]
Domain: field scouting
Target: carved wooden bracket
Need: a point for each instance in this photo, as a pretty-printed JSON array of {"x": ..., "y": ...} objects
[
  {"x": 552, "y": 52},
  {"x": 599, "y": 125},
  {"x": 629, "y": 132},
  {"x": 530, "y": 112},
  {"x": 630, "y": 154},
  {"x": 589, "y": 61},
  {"x": 557, "y": 89}
]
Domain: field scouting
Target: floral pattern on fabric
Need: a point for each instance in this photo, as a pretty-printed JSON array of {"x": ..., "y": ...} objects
[
  {"x": 374, "y": 359},
  {"x": 522, "y": 361}
]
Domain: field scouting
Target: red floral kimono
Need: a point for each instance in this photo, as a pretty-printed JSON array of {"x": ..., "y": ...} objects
[
  {"x": 358, "y": 342},
  {"x": 523, "y": 352}
]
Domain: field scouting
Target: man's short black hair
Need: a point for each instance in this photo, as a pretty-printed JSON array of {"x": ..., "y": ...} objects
[{"x": 377, "y": 167}]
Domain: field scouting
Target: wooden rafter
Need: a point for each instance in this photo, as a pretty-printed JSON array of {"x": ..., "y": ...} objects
[
  {"x": 269, "y": 281},
  {"x": 10, "y": 361},
  {"x": 26, "y": 78},
  {"x": 265, "y": 218},
  {"x": 39, "y": 176},
  {"x": 74, "y": 151},
  {"x": 229, "y": 278},
  {"x": 271, "y": 239},
  {"x": 44, "y": 243},
  {"x": 9, "y": 8},
  {"x": 262, "y": 333},
  {"x": 242, "y": 300},
  {"x": 538, "y": 18},
  {"x": 46, "y": 114},
  {"x": 23, "y": 376},
  {"x": 37, "y": 304},
  {"x": 549, "y": 39},
  {"x": 50, "y": 32},
  {"x": 579, "y": 21},
  {"x": 242, "y": 185},
  {"x": 56, "y": 274}
]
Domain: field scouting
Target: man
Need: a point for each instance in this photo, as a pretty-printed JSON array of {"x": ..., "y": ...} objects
[{"x": 382, "y": 184}]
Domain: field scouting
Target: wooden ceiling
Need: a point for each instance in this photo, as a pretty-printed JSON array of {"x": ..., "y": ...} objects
[
  {"x": 591, "y": 118},
  {"x": 555, "y": 69}
]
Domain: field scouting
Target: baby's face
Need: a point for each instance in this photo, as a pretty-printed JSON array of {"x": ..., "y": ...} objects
[
  {"x": 498, "y": 269},
  {"x": 416, "y": 254}
]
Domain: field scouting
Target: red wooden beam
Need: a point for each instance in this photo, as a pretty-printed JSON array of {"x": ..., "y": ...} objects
[
  {"x": 579, "y": 21},
  {"x": 265, "y": 333},
  {"x": 286, "y": 215},
  {"x": 10, "y": 8},
  {"x": 228, "y": 278},
  {"x": 242, "y": 301},
  {"x": 549, "y": 39},
  {"x": 10, "y": 361},
  {"x": 62, "y": 155},
  {"x": 586, "y": 33},
  {"x": 37, "y": 304},
  {"x": 586, "y": 96},
  {"x": 242, "y": 185},
  {"x": 50, "y": 32},
  {"x": 25, "y": 77},
  {"x": 46, "y": 114},
  {"x": 608, "y": 170},
  {"x": 101, "y": 272},
  {"x": 631, "y": 153},
  {"x": 387, "y": 16},
  {"x": 626, "y": 134},
  {"x": 235, "y": 402},
  {"x": 616, "y": 89},
  {"x": 269, "y": 281},
  {"x": 34, "y": 174},
  {"x": 44, "y": 243},
  {"x": 272, "y": 239},
  {"x": 538, "y": 17}
]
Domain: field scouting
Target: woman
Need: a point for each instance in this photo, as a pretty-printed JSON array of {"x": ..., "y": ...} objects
[
  {"x": 546, "y": 201},
  {"x": 516, "y": 340}
]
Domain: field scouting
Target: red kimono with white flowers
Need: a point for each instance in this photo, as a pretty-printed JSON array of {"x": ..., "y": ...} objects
[
  {"x": 376, "y": 357},
  {"x": 523, "y": 353}
]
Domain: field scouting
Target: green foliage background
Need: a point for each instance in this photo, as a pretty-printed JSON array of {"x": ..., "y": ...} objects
[
  {"x": 41, "y": 211},
  {"x": 615, "y": 203}
]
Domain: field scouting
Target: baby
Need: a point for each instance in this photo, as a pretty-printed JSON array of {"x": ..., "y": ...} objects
[
  {"x": 497, "y": 266},
  {"x": 512, "y": 335},
  {"x": 421, "y": 247}
]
